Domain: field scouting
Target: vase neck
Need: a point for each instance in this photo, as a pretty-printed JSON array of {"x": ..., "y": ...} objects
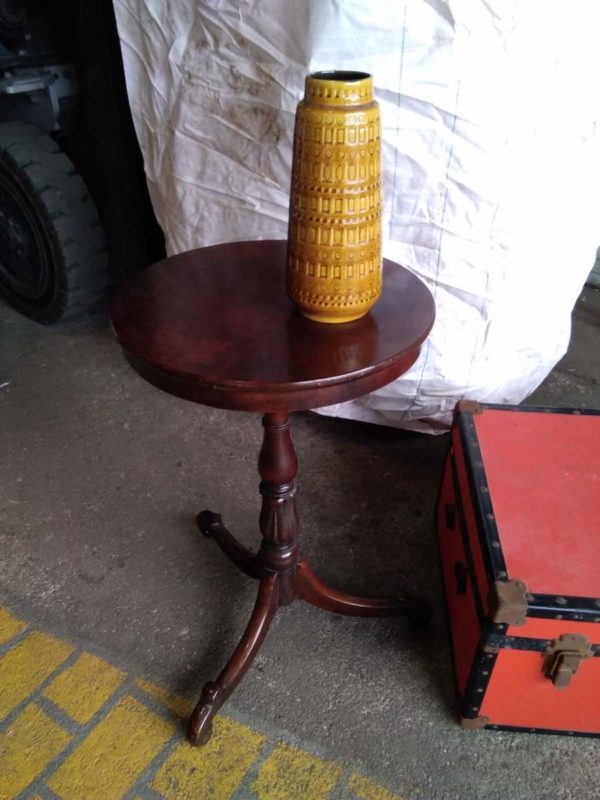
[{"x": 339, "y": 88}]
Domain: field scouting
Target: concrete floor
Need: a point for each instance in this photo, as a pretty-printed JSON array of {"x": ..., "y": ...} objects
[{"x": 100, "y": 478}]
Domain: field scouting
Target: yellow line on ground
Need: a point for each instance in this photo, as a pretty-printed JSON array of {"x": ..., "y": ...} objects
[
  {"x": 112, "y": 757},
  {"x": 84, "y": 687},
  {"x": 29, "y": 744},
  {"x": 213, "y": 771},
  {"x": 9, "y": 626},
  {"x": 291, "y": 774},
  {"x": 364, "y": 789},
  {"x": 26, "y": 666},
  {"x": 178, "y": 704},
  {"x": 125, "y": 736}
]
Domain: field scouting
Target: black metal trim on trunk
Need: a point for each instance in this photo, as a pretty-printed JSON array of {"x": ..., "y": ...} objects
[
  {"x": 583, "y": 412},
  {"x": 479, "y": 678},
  {"x": 550, "y": 606},
  {"x": 489, "y": 540},
  {"x": 464, "y": 535},
  {"x": 527, "y": 643},
  {"x": 548, "y": 731}
]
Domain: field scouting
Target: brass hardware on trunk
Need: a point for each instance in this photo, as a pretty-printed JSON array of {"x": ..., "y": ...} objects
[
  {"x": 507, "y": 602},
  {"x": 475, "y": 723},
  {"x": 563, "y": 657},
  {"x": 469, "y": 407}
]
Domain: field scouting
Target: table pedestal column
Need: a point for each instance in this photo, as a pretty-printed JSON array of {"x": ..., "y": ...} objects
[{"x": 282, "y": 574}]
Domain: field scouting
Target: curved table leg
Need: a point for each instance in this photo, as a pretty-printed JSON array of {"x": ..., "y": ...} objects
[
  {"x": 216, "y": 692},
  {"x": 211, "y": 525},
  {"x": 312, "y": 589}
]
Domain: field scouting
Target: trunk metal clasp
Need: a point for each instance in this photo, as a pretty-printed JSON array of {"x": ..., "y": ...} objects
[{"x": 563, "y": 657}]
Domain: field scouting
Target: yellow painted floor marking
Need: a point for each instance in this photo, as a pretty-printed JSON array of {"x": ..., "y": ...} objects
[
  {"x": 9, "y": 626},
  {"x": 83, "y": 688},
  {"x": 27, "y": 746},
  {"x": 126, "y": 736},
  {"x": 112, "y": 757},
  {"x": 291, "y": 774},
  {"x": 180, "y": 705},
  {"x": 211, "y": 772},
  {"x": 27, "y": 665},
  {"x": 364, "y": 789}
]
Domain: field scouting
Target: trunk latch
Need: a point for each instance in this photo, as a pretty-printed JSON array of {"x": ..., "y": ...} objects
[{"x": 563, "y": 657}]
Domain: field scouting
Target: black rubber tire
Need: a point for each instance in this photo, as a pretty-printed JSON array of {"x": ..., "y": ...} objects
[{"x": 50, "y": 203}]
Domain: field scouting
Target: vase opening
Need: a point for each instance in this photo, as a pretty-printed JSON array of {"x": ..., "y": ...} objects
[{"x": 344, "y": 76}]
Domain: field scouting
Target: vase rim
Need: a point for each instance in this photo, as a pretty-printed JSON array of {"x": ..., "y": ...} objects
[
  {"x": 339, "y": 87},
  {"x": 341, "y": 75}
]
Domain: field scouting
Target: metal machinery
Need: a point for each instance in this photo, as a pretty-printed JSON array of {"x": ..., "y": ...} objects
[{"x": 74, "y": 207}]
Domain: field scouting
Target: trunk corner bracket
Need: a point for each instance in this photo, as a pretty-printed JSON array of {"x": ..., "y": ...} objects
[
  {"x": 469, "y": 407},
  {"x": 507, "y": 602},
  {"x": 474, "y": 723}
]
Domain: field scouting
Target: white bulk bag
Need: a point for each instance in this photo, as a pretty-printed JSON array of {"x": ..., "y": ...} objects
[{"x": 490, "y": 112}]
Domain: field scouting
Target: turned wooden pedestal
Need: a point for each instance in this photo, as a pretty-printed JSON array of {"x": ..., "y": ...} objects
[{"x": 215, "y": 326}]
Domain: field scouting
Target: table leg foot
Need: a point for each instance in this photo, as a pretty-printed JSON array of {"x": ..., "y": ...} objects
[
  {"x": 211, "y": 526},
  {"x": 312, "y": 589},
  {"x": 215, "y": 693},
  {"x": 200, "y": 728}
]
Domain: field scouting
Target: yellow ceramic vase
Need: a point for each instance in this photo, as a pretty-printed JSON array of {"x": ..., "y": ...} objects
[{"x": 334, "y": 237}]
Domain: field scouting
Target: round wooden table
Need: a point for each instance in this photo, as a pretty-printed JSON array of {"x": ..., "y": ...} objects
[{"x": 215, "y": 326}]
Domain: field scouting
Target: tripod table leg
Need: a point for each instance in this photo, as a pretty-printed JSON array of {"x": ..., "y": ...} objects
[
  {"x": 312, "y": 589},
  {"x": 216, "y": 692},
  {"x": 211, "y": 526}
]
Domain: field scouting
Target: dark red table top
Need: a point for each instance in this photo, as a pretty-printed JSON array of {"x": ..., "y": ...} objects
[{"x": 215, "y": 326}]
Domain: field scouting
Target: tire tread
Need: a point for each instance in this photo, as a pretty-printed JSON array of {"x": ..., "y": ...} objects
[{"x": 69, "y": 217}]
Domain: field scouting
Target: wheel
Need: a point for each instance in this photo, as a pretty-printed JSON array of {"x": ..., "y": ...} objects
[{"x": 53, "y": 261}]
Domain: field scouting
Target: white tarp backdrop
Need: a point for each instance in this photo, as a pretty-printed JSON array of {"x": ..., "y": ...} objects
[{"x": 491, "y": 159}]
